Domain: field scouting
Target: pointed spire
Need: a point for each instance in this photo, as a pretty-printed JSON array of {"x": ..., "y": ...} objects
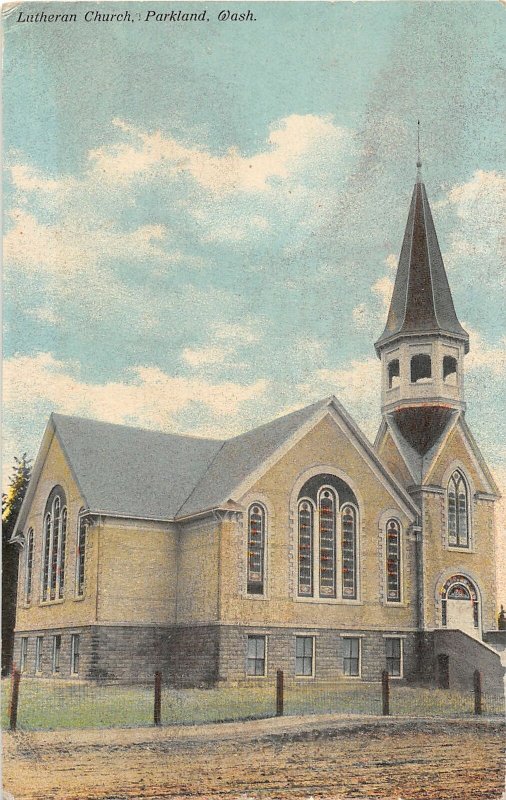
[{"x": 421, "y": 301}]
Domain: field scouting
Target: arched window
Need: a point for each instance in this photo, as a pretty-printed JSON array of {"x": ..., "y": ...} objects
[
  {"x": 306, "y": 537},
  {"x": 256, "y": 549},
  {"x": 349, "y": 551},
  {"x": 28, "y": 566},
  {"x": 393, "y": 561},
  {"x": 450, "y": 370},
  {"x": 55, "y": 534},
  {"x": 421, "y": 368},
  {"x": 81, "y": 553},
  {"x": 458, "y": 511},
  {"x": 327, "y": 539},
  {"x": 393, "y": 373},
  {"x": 327, "y": 514}
]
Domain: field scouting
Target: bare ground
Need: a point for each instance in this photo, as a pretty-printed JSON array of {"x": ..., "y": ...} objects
[{"x": 323, "y": 758}]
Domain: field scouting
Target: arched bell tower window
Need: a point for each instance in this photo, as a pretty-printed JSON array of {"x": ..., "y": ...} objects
[
  {"x": 256, "y": 549},
  {"x": 421, "y": 368},
  {"x": 55, "y": 541},
  {"x": 450, "y": 370},
  {"x": 394, "y": 373},
  {"x": 458, "y": 511}
]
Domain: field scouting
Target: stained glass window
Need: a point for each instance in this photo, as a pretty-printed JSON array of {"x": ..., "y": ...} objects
[
  {"x": 327, "y": 544},
  {"x": 349, "y": 551},
  {"x": 256, "y": 549},
  {"x": 55, "y": 533},
  {"x": 29, "y": 566},
  {"x": 393, "y": 562},
  {"x": 305, "y": 549},
  {"x": 458, "y": 512},
  {"x": 81, "y": 555}
]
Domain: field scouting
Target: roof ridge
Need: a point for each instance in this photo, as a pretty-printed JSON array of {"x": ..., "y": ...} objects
[{"x": 55, "y": 415}]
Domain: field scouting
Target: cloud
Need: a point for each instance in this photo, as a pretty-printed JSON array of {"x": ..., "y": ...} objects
[
  {"x": 485, "y": 356},
  {"x": 290, "y": 141},
  {"x": 204, "y": 356}
]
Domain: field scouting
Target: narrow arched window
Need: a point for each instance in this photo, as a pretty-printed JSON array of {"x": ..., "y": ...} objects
[
  {"x": 47, "y": 551},
  {"x": 393, "y": 561},
  {"x": 81, "y": 554},
  {"x": 458, "y": 511},
  {"x": 393, "y": 373},
  {"x": 55, "y": 532},
  {"x": 28, "y": 566},
  {"x": 421, "y": 368},
  {"x": 450, "y": 370},
  {"x": 306, "y": 535},
  {"x": 327, "y": 517},
  {"x": 256, "y": 549},
  {"x": 349, "y": 551}
]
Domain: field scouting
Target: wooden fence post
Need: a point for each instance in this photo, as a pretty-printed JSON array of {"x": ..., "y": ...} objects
[
  {"x": 477, "y": 692},
  {"x": 385, "y": 693},
  {"x": 279, "y": 693},
  {"x": 13, "y": 706},
  {"x": 157, "y": 715}
]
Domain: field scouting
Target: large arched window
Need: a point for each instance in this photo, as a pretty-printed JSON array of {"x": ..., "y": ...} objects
[
  {"x": 55, "y": 537},
  {"x": 327, "y": 539},
  {"x": 458, "y": 511},
  {"x": 327, "y": 555},
  {"x": 393, "y": 561},
  {"x": 256, "y": 549}
]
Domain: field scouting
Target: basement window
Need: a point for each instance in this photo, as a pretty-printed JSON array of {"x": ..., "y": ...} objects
[
  {"x": 450, "y": 370},
  {"x": 394, "y": 373},
  {"x": 421, "y": 368}
]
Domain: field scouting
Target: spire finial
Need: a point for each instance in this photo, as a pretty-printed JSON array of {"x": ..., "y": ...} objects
[{"x": 418, "y": 160}]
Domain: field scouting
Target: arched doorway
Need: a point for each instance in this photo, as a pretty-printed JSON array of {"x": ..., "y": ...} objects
[{"x": 460, "y": 605}]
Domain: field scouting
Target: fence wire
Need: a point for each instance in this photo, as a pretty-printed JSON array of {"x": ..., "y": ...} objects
[{"x": 51, "y": 703}]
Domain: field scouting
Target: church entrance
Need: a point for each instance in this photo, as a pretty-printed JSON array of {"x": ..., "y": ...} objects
[{"x": 460, "y": 606}]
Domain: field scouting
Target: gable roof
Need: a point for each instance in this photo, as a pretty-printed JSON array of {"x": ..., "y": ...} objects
[
  {"x": 421, "y": 301},
  {"x": 421, "y": 466},
  {"x": 144, "y": 474}
]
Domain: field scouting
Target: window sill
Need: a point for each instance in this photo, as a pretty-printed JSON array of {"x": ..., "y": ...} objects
[
  {"x": 255, "y": 596},
  {"x": 79, "y": 599},
  {"x": 57, "y": 602},
  {"x": 455, "y": 548},
  {"x": 329, "y": 601}
]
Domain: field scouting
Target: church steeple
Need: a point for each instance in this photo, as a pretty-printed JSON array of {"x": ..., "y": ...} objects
[
  {"x": 423, "y": 345},
  {"x": 421, "y": 300}
]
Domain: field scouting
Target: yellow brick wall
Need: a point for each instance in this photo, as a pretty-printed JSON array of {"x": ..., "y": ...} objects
[
  {"x": 198, "y": 559},
  {"x": 479, "y": 562},
  {"x": 70, "y": 610},
  {"x": 324, "y": 445},
  {"x": 390, "y": 456},
  {"x": 137, "y": 572}
]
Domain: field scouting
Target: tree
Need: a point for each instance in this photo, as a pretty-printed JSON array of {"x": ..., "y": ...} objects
[{"x": 11, "y": 504}]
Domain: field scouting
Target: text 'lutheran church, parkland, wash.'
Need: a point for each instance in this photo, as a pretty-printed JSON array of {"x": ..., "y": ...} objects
[{"x": 294, "y": 546}]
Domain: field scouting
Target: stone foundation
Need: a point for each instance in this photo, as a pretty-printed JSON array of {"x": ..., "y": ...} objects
[{"x": 208, "y": 655}]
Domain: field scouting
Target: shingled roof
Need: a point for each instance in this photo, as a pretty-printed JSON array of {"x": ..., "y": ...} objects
[
  {"x": 153, "y": 475},
  {"x": 421, "y": 300}
]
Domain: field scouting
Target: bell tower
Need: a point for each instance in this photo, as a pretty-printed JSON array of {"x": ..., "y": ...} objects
[{"x": 423, "y": 345}]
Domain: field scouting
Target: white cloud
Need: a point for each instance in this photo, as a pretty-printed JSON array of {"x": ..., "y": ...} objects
[
  {"x": 204, "y": 356},
  {"x": 483, "y": 355},
  {"x": 290, "y": 141},
  {"x": 147, "y": 396},
  {"x": 246, "y": 332},
  {"x": 78, "y": 243},
  {"x": 383, "y": 289}
]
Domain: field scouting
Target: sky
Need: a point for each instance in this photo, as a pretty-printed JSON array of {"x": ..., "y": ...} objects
[{"x": 202, "y": 220}]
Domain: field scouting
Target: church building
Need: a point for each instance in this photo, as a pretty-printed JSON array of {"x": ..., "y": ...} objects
[{"x": 297, "y": 545}]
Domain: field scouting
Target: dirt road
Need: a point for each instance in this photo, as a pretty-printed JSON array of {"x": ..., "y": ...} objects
[{"x": 324, "y": 758}]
